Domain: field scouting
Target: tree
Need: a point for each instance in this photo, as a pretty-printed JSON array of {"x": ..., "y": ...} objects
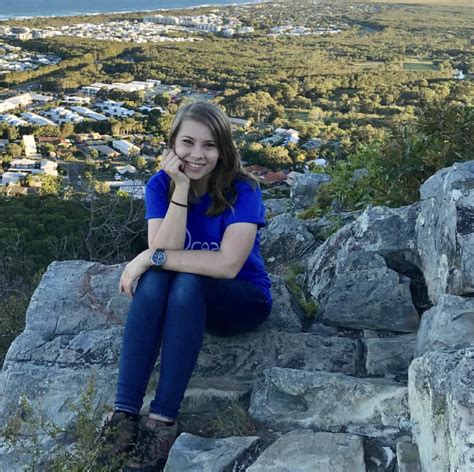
[
  {"x": 15, "y": 150},
  {"x": 50, "y": 185}
]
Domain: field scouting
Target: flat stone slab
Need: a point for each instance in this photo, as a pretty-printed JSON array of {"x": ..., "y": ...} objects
[
  {"x": 306, "y": 451},
  {"x": 197, "y": 454},
  {"x": 289, "y": 398}
]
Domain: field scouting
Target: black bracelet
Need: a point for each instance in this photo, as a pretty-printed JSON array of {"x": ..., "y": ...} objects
[{"x": 179, "y": 204}]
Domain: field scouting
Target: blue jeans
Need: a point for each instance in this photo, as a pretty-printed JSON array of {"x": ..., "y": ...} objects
[{"x": 173, "y": 309}]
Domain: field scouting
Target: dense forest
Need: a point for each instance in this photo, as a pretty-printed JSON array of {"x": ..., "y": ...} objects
[{"x": 383, "y": 90}]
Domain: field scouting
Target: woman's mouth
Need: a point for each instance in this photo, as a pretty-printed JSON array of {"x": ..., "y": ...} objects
[{"x": 194, "y": 165}]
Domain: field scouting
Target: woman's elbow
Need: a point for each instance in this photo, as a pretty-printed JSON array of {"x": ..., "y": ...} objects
[{"x": 231, "y": 269}]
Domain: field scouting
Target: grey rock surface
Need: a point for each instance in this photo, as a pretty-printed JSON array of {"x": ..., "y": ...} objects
[
  {"x": 304, "y": 189},
  {"x": 441, "y": 399},
  {"x": 277, "y": 206},
  {"x": 196, "y": 454},
  {"x": 286, "y": 314},
  {"x": 445, "y": 231},
  {"x": 286, "y": 238},
  {"x": 448, "y": 325},
  {"x": 379, "y": 457},
  {"x": 306, "y": 451},
  {"x": 366, "y": 294},
  {"x": 388, "y": 233},
  {"x": 290, "y": 398},
  {"x": 389, "y": 356},
  {"x": 408, "y": 459}
]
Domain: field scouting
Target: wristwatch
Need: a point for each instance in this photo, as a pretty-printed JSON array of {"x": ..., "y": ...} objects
[{"x": 158, "y": 258}]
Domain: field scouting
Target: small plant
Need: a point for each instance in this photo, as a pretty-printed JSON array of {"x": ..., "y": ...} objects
[
  {"x": 233, "y": 420},
  {"x": 307, "y": 304}
]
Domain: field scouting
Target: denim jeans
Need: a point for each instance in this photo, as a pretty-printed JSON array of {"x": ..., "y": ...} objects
[{"x": 173, "y": 309}]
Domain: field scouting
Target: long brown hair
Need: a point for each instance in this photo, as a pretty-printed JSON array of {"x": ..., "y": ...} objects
[{"x": 228, "y": 168}]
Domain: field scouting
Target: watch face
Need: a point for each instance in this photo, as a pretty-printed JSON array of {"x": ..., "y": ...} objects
[{"x": 158, "y": 258}]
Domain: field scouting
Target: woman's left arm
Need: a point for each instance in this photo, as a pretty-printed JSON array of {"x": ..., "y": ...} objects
[{"x": 225, "y": 263}]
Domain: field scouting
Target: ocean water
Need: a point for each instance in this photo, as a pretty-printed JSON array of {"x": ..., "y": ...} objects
[{"x": 32, "y": 8}]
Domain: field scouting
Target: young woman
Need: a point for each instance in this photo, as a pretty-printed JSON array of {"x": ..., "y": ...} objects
[{"x": 203, "y": 270}]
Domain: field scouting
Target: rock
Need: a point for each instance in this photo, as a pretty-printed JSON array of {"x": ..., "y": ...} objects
[
  {"x": 244, "y": 357},
  {"x": 289, "y": 398},
  {"x": 359, "y": 174},
  {"x": 73, "y": 337},
  {"x": 445, "y": 231},
  {"x": 448, "y": 325},
  {"x": 304, "y": 189},
  {"x": 389, "y": 356},
  {"x": 441, "y": 399},
  {"x": 366, "y": 294},
  {"x": 286, "y": 314},
  {"x": 196, "y": 454},
  {"x": 387, "y": 233},
  {"x": 286, "y": 238},
  {"x": 277, "y": 206},
  {"x": 306, "y": 451},
  {"x": 408, "y": 459}
]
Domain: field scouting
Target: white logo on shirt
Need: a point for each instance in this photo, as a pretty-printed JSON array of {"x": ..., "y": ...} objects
[{"x": 198, "y": 245}]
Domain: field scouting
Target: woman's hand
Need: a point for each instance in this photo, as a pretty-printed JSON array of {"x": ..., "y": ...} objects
[
  {"x": 133, "y": 270},
  {"x": 172, "y": 164}
]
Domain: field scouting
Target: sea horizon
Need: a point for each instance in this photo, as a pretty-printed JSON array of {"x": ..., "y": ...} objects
[{"x": 28, "y": 9}]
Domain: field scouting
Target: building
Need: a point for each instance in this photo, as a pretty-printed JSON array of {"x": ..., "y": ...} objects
[
  {"x": 135, "y": 188},
  {"x": 28, "y": 166},
  {"x": 35, "y": 119},
  {"x": 76, "y": 99},
  {"x": 126, "y": 148},
  {"x": 12, "y": 178},
  {"x": 88, "y": 113},
  {"x": 22, "y": 100},
  {"x": 240, "y": 123},
  {"x": 30, "y": 145},
  {"x": 113, "y": 108},
  {"x": 62, "y": 115},
  {"x": 12, "y": 120},
  {"x": 104, "y": 150}
]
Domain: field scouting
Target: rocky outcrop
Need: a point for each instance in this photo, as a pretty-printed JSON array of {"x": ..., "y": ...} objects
[
  {"x": 305, "y": 187},
  {"x": 390, "y": 285},
  {"x": 441, "y": 396},
  {"x": 445, "y": 231}
]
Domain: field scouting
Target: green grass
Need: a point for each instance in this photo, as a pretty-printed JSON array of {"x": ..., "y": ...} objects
[
  {"x": 296, "y": 114},
  {"x": 419, "y": 66}
]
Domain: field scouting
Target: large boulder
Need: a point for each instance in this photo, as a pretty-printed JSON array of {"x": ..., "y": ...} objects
[
  {"x": 290, "y": 398},
  {"x": 448, "y": 325},
  {"x": 445, "y": 231},
  {"x": 354, "y": 263},
  {"x": 441, "y": 399},
  {"x": 304, "y": 189},
  {"x": 366, "y": 294}
]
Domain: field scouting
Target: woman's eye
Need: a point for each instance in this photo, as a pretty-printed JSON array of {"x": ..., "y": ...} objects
[
  {"x": 187, "y": 141},
  {"x": 211, "y": 145}
]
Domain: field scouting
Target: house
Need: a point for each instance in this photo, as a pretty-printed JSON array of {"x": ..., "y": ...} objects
[
  {"x": 126, "y": 148},
  {"x": 135, "y": 188},
  {"x": 272, "y": 178},
  {"x": 88, "y": 113},
  {"x": 257, "y": 170},
  {"x": 12, "y": 120},
  {"x": 312, "y": 144},
  {"x": 240, "y": 123},
  {"x": 104, "y": 150},
  {"x": 30, "y": 145},
  {"x": 37, "y": 120},
  {"x": 30, "y": 166},
  {"x": 126, "y": 169},
  {"x": 12, "y": 178},
  {"x": 62, "y": 115}
]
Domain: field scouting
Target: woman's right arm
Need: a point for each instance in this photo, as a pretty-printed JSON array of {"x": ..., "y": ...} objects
[{"x": 170, "y": 232}]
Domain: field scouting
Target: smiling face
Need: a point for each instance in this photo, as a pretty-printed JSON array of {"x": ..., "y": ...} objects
[{"x": 198, "y": 150}]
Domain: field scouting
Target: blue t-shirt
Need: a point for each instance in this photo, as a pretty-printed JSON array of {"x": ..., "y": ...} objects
[{"x": 206, "y": 232}]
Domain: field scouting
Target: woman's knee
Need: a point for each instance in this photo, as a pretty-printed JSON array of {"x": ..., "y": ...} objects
[
  {"x": 152, "y": 285},
  {"x": 188, "y": 289}
]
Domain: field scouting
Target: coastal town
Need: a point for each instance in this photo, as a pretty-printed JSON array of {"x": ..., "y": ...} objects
[{"x": 123, "y": 161}]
